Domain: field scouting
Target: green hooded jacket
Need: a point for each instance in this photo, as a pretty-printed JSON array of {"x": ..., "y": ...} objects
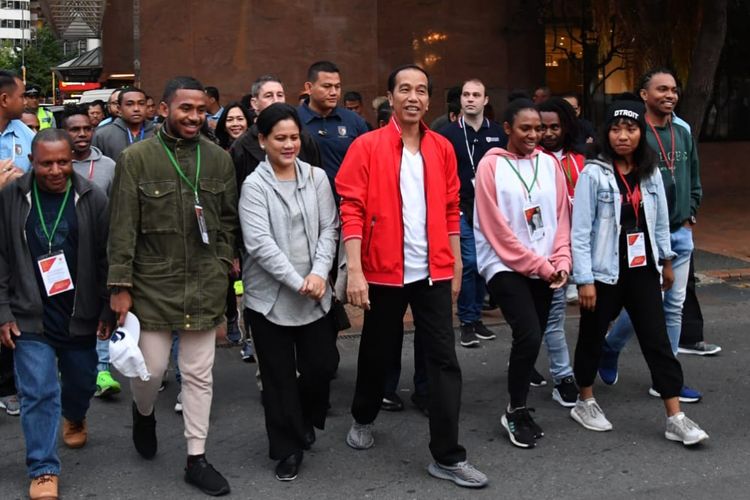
[{"x": 155, "y": 248}]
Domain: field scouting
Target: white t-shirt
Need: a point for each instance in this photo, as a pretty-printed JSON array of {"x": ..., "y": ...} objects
[{"x": 414, "y": 213}]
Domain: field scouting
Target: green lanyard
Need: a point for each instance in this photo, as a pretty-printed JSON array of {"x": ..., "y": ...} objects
[
  {"x": 48, "y": 234},
  {"x": 177, "y": 167},
  {"x": 528, "y": 187}
]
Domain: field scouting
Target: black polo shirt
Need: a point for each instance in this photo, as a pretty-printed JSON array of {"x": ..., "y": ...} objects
[{"x": 470, "y": 146}]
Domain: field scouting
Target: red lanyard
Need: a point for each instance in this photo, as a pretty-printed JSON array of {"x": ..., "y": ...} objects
[
  {"x": 634, "y": 195},
  {"x": 569, "y": 171},
  {"x": 91, "y": 170},
  {"x": 668, "y": 160}
]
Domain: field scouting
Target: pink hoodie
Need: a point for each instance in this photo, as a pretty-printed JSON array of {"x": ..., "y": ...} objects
[{"x": 495, "y": 229}]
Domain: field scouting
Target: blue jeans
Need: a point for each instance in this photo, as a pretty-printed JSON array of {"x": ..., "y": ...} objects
[
  {"x": 42, "y": 397},
  {"x": 174, "y": 351},
  {"x": 473, "y": 289},
  {"x": 102, "y": 352},
  {"x": 682, "y": 244},
  {"x": 554, "y": 338}
]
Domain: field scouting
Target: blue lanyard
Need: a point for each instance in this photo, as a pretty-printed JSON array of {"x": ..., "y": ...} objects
[{"x": 131, "y": 137}]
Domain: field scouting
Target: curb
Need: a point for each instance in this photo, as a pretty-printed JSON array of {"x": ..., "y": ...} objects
[{"x": 729, "y": 274}]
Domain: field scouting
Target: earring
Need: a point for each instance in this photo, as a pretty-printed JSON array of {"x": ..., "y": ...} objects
[{"x": 262, "y": 146}]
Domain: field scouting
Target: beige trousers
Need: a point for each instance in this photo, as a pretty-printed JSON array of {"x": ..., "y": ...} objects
[{"x": 196, "y": 361}]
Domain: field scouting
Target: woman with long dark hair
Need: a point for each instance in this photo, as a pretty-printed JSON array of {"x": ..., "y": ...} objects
[
  {"x": 289, "y": 227},
  {"x": 622, "y": 258},
  {"x": 232, "y": 123},
  {"x": 522, "y": 230}
]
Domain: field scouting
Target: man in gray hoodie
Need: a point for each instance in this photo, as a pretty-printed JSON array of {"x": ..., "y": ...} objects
[{"x": 130, "y": 127}]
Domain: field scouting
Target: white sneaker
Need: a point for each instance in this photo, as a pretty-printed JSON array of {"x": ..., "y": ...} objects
[
  {"x": 590, "y": 415},
  {"x": 178, "y": 404},
  {"x": 462, "y": 473},
  {"x": 360, "y": 436},
  {"x": 681, "y": 428}
]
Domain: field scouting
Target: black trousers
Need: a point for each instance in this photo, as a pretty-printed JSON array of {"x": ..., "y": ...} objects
[
  {"x": 7, "y": 379},
  {"x": 393, "y": 371},
  {"x": 639, "y": 291},
  {"x": 432, "y": 310},
  {"x": 232, "y": 313},
  {"x": 293, "y": 404},
  {"x": 692, "y": 317},
  {"x": 525, "y": 304}
]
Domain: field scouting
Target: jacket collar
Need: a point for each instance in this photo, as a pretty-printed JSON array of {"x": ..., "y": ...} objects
[
  {"x": 172, "y": 142},
  {"x": 147, "y": 124},
  {"x": 393, "y": 129},
  {"x": 80, "y": 185},
  {"x": 265, "y": 171},
  {"x": 507, "y": 154}
]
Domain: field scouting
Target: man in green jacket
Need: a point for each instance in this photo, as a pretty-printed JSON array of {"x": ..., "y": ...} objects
[{"x": 174, "y": 219}]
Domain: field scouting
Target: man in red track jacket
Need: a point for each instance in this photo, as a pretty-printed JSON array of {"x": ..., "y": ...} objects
[{"x": 400, "y": 224}]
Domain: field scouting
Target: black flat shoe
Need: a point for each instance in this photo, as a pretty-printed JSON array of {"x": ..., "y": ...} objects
[
  {"x": 144, "y": 433},
  {"x": 287, "y": 469},
  {"x": 309, "y": 439}
]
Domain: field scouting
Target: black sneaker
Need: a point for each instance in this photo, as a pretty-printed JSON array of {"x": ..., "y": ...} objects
[
  {"x": 519, "y": 428},
  {"x": 391, "y": 402},
  {"x": 468, "y": 337},
  {"x": 482, "y": 331},
  {"x": 287, "y": 469},
  {"x": 144, "y": 433},
  {"x": 566, "y": 392},
  {"x": 202, "y": 475},
  {"x": 538, "y": 431},
  {"x": 536, "y": 379}
]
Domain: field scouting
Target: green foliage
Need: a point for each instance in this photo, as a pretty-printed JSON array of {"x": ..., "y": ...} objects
[
  {"x": 9, "y": 59},
  {"x": 42, "y": 53}
]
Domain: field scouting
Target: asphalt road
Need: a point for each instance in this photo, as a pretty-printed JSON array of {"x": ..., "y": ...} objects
[{"x": 632, "y": 461}]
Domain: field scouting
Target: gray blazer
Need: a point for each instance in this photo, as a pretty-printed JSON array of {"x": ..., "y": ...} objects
[{"x": 264, "y": 219}]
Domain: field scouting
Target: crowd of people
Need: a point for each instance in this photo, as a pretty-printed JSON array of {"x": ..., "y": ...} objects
[{"x": 157, "y": 210}]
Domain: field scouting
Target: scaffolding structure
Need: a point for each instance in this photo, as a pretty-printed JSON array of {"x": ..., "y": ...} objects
[{"x": 74, "y": 19}]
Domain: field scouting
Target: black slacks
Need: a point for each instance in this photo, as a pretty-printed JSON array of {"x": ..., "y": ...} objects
[
  {"x": 639, "y": 291},
  {"x": 432, "y": 311},
  {"x": 525, "y": 304},
  {"x": 692, "y": 316},
  {"x": 293, "y": 404}
]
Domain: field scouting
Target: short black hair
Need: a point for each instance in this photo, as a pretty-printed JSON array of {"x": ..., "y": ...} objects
[
  {"x": 51, "y": 135},
  {"x": 98, "y": 102},
  {"x": 353, "y": 95},
  {"x": 515, "y": 107},
  {"x": 73, "y": 110},
  {"x": 384, "y": 113},
  {"x": 646, "y": 77},
  {"x": 8, "y": 80},
  {"x": 404, "y": 67},
  {"x": 127, "y": 90},
  {"x": 317, "y": 67},
  {"x": 518, "y": 94},
  {"x": 275, "y": 113},
  {"x": 262, "y": 80},
  {"x": 212, "y": 92},
  {"x": 567, "y": 117},
  {"x": 180, "y": 83},
  {"x": 454, "y": 94}
]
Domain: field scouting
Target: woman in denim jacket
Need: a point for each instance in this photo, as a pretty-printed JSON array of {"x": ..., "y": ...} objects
[{"x": 622, "y": 258}]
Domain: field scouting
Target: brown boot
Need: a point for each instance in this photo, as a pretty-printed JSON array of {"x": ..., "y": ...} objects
[
  {"x": 74, "y": 433},
  {"x": 43, "y": 488}
]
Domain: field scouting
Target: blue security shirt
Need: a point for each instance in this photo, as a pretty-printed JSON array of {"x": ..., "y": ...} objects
[
  {"x": 470, "y": 146},
  {"x": 333, "y": 133},
  {"x": 15, "y": 143}
]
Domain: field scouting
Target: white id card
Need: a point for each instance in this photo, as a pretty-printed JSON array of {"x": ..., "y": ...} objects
[
  {"x": 534, "y": 223},
  {"x": 636, "y": 249},
  {"x": 55, "y": 273},
  {"x": 202, "y": 227}
]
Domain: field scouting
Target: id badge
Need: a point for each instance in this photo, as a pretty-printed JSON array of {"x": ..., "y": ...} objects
[
  {"x": 202, "y": 227},
  {"x": 534, "y": 223},
  {"x": 55, "y": 273},
  {"x": 636, "y": 249}
]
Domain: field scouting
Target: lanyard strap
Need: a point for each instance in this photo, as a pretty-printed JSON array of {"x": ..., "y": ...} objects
[
  {"x": 469, "y": 150},
  {"x": 569, "y": 171},
  {"x": 173, "y": 160},
  {"x": 528, "y": 187},
  {"x": 669, "y": 161},
  {"x": 634, "y": 195},
  {"x": 91, "y": 170},
  {"x": 47, "y": 233},
  {"x": 131, "y": 137}
]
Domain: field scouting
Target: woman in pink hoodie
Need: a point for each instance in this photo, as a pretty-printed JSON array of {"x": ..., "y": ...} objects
[{"x": 522, "y": 230}]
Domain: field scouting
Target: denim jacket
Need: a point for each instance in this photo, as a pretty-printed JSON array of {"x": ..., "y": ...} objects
[{"x": 595, "y": 233}]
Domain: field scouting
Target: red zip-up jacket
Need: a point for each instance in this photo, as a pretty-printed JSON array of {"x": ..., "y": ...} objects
[{"x": 371, "y": 208}]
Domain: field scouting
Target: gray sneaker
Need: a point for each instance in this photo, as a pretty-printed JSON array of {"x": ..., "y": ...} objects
[
  {"x": 462, "y": 473},
  {"x": 11, "y": 404},
  {"x": 590, "y": 415},
  {"x": 680, "y": 428},
  {"x": 360, "y": 436}
]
